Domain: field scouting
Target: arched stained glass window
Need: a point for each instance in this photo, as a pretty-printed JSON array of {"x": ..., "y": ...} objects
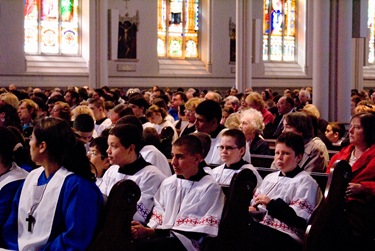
[
  {"x": 51, "y": 27},
  {"x": 371, "y": 26},
  {"x": 279, "y": 30},
  {"x": 178, "y": 28}
]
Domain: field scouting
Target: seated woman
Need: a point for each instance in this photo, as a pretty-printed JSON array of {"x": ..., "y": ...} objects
[
  {"x": 9, "y": 116},
  {"x": 166, "y": 130},
  {"x": 255, "y": 100},
  {"x": 232, "y": 149},
  {"x": 252, "y": 126},
  {"x": 359, "y": 216},
  {"x": 11, "y": 175},
  {"x": 190, "y": 106},
  {"x": 315, "y": 157},
  {"x": 226, "y": 111},
  {"x": 59, "y": 204},
  {"x": 182, "y": 121},
  {"x": 286, "y": 198},
  {"x": 62, "y": 110}
]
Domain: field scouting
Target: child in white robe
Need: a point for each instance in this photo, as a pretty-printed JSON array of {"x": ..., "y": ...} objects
[
  {"x": 287, "y": 198},
  {"x": 232, "y": 149},
  {"x": 124, "y": 144},
  {"x": 188, "y": 205}
]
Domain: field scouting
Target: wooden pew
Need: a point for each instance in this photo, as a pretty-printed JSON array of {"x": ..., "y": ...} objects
[
  {"x": 233, "y": 224},
  {"x": 326, "y": 218},
  {"x": 115, "y": 230},
  {"x": 261, "y": 160}
]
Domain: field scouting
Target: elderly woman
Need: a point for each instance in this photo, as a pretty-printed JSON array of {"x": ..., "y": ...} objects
[
  {"x": 359, "y": 214},
  {"x": 315, "y": 157},
  {"x": 252, "y": 126},
  {"x": 61, "y": 110}
]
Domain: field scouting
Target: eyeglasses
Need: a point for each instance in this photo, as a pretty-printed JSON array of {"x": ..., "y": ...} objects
[
  {"x": 228, "y": 148},
  {"x": 93, "y": 153},
  {"x": 189, "y": 111}
]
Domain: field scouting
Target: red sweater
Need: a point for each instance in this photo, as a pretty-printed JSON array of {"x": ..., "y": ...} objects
[{"x": 363, "y": 169}]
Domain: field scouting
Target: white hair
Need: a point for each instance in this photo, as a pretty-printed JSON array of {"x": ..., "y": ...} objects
[{"x": 256, "y": 119}]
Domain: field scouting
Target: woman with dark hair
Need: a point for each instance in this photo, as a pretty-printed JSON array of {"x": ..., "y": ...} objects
[
  {"x": 358, "y": 228},
  {"x": 59, "y": 204},
  {"x": 166, "y": 130},
  {"x": 315, "y": 158},
  {"x": 21, "y": 151},
  {"x": 9, "y": 116},
  {"x": 11, "y": 175}
]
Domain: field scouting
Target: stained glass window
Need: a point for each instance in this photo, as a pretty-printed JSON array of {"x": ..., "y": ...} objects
[
  {"x": 279, "y": 30},
  {"x": 51, "y": 27},
  {"x": 371, "y": 26},
  {"x": 178, "y": 28}
]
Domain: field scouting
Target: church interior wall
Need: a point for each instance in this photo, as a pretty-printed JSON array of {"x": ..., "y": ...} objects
[{"x": 221, "y": 73}]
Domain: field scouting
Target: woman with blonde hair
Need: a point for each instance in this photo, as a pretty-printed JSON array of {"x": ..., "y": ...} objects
[
  {"x": 255, "y": 100},
  {"x": 82, "y": 109},
  {"x": 190, "y": 106},
  {"x": 10, "y": 98}
]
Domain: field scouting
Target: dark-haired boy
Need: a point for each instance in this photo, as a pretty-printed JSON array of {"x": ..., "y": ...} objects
[
  {"x": 187, "y": 206},
  {"x": 124, "y": 144}
]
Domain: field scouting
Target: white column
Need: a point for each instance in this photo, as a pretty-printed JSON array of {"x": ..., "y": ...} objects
[
  {"x": 344, "y": 59},
  {"x": 103, "y": 43},
  {"x": 92, "y": 23},
  {"x": 320, "y": 72},
  {"x": 209, "y": 37},
  {"x": 243, "y": 44}
]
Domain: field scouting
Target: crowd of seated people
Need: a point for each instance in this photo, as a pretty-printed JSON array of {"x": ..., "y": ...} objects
[{"x": 147, "y": 137}]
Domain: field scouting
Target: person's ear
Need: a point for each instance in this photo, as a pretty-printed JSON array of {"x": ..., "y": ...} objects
[
  {"x": 242, "y": 150},
  {"x": 198, "y": 157},
  {"x": 336, "y": 134},
  {"x": 132, "y": 147},
  {"x": 42, "y": 147},
  {"x": 299, "y": 157}
]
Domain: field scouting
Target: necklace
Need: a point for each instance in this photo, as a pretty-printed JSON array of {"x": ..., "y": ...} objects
[{"x": 37, "y": 197}]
